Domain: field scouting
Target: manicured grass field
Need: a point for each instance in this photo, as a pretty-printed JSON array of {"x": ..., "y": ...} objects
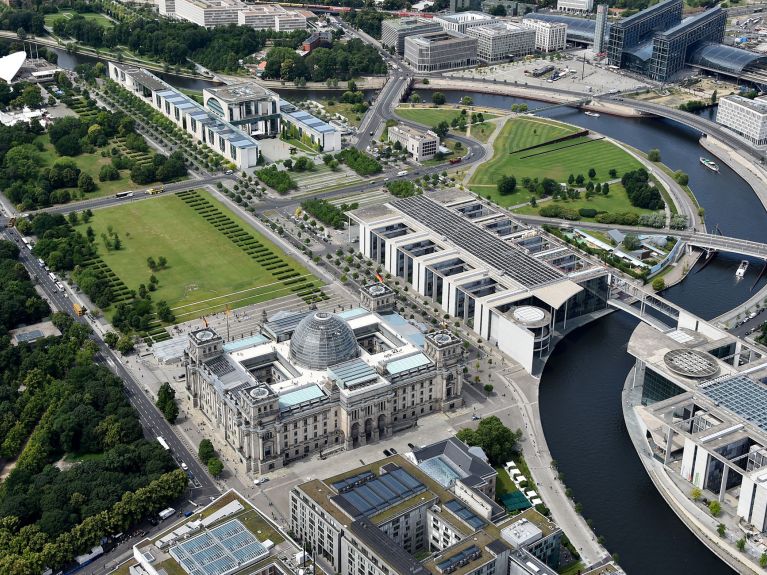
[
  {"x": 615, "y": 202},
  {"x": 555, "y": 161},
  {"x": 91, "y": 165},
  {"x": 100, "y": 19},
  {"x": 504, "y": 484},
  {"x": 433, "y": 116},
  {"x": 206, "y": 269}
]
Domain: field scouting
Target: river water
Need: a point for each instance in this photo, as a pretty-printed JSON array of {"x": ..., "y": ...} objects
[{"x": 581, "y": 385}]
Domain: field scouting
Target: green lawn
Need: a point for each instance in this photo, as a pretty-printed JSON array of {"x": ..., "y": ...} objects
[
  {"x": 206, "y": 270},
  {"x": 615, "y": 202},
  {"x": 98, "y": 18},
  {"x": 354, "y": 118},
  {"x": 432, "y": 116},
  {"x": 503, "y": 483},
  {"x": 91, "y": 165},
  {"x": 555, "y": 161}
]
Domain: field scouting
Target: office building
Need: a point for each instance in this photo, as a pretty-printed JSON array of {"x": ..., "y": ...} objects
[
  {"x": 549, "y": 36},
  {"x": 745, "y": 117},
  {"x": 395, "y": 30},
  {"x": 700, "y": 399},
  {"x": 438, "y": 51},
  {"x": 462, "y": 21},
  {"x": 317, "y": 39},
  {"x": 247, "y": 105},
  {"x": 212, "y": 13},
  {"x": 580, "y": 31},
  {"x": 422, "y": 145},
  {"x": 203, "y": 125},
  {"x": 628, "y": 33},
  {"x": 575, "y": 5},
  {"x": 301, "y": 125},
  {"x": 316, "y": 382},
  {"x": 271, "y": 17},
  {"x": 500, "y": 41},
  {"x": 600, "y": 31},
  {"x": 376, "y": 519},
  {"x": 511, "y": 284}
]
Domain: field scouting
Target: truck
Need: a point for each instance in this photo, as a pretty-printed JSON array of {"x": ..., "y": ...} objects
[
  {"x": 455, "y": 160},
  {"x": 402, "y": 173},
  {"x": 79, "y": 309},
  {"x": 153, "y": 191},
  {"x": 164, "y": 443},
  {"x": 165, "y": 513}
]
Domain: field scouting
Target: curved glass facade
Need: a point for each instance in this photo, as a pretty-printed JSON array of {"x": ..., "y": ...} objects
[
  {"x": 578, "y": 29},
  {"x": 721, "y": 58},
  {"x": 322, "y": 339}
]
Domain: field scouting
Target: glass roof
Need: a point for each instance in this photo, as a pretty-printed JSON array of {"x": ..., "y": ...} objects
[
  {"x": 723, "y": 58},
  {"x": 322, "y": 339}
]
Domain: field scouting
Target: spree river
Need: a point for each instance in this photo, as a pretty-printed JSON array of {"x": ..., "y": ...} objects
[{"x": 581, "y": 385}]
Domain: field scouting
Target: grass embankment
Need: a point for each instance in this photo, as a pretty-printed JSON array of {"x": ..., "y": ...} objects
[
  {"x": 432, "y": 116},
  {"x": 206, "y": 270}
]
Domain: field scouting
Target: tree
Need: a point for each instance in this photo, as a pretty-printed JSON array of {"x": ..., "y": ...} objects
[
  {"x": 763, "y": 560},
  {"x": 488, "y": 388},
  {"x": 571, "y": 179},
  {"x": 205, "y": 451},
  {"x": 681, "y": 178},
  {"x": 507, "y": 185},
  {"x": 68, "y": 145},
  {"x": 85, "y": 183},
  {"x": 441, "y": 129},
  {"x": 467, "y": 101},
  {"x": 696, "y": 493},
  {"x": 631, "y": 242},
  {"x": 592, "y": 173},
  {"x": 605, "y": 189},
  {"x": 721, "y": 529},
  {"x": 715, "y": 508},
  {"x": 215, "y": 467},
  {"x": 613, "y": 173},
  {"x": 166, "y": 402},
  {"x": 654, "y": 155},
  {"x": 125, "y": 344},
  {"x": 713, "y": 97},
  {"x": 497, "y": 440},
  {"x": 108, "y": 173},
  {"x": 579, "y": 179},
  {"x": 659, "y": 284},
  {"x": 438, "y": 98},
  {"x": 415, "y": 98},
  {"x": 111, "y": 339}
]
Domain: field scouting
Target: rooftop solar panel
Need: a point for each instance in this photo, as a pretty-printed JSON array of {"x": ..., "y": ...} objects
[
  {"x": 481, "y": 243},
  {"x": 459, "y": 559},
  {"x": 377, "y": 495}
]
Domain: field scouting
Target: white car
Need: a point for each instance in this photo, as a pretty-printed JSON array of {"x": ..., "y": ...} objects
[{"x": 184, "y": 466}]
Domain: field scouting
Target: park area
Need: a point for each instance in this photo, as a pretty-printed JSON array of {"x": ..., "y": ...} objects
[
  {"x": 513, "y": 156},
  {"x": 214, "y": 258},
  {"x": 100, "y": 19},
  {"x": 430, "y": 117}
]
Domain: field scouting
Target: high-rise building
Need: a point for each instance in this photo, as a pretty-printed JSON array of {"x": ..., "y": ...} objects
[
  {"x": 601, "y": 28},
  {"x": 640, "y": 27}
]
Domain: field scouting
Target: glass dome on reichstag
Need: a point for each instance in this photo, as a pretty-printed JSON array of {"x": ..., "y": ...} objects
[{"x": 322, "y": 339}]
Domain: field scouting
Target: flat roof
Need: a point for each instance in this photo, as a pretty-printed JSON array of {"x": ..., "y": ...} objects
[
  {"x": 480, "y": 243},
  {"x": 240, "y": 91},
  {"x": 382, "y": 545},
  {"x": 757, "y": 104},
  {"x": 745, "y": 397},
  {"x": 411, "y": 22},
  {"x": 407, "y": 363},
  {"x": 293, "y": 398},
  {"x": 439, "y": 37},
  {"x": 693, "y": 20}
]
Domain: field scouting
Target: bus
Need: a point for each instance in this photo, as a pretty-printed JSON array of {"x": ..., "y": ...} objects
[
  {"x": 164, "y": 443},
  {"x": 124, "y": 195}
]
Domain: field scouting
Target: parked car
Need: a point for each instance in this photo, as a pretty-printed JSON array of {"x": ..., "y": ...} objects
[{"x": 387, "y": 453}]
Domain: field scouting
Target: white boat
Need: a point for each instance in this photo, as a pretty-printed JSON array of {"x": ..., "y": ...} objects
[
  {"x": 709, "y": 164},
  {"x": 742, "y": 269},
  {"x": 592, "y": 114}
]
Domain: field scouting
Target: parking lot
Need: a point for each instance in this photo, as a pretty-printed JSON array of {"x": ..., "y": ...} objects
[{"x": 581, "y": 77}]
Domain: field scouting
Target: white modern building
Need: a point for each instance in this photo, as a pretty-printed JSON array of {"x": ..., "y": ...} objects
[
  {"x": 575, "y": 5},
  {"x": 501, "y": 40},
  {"x": 395, "y": 30},
  {"x": 513, "y": 285},
  {"x": 247, "y": 105},
  {"x": 700, "y": 395},
  {"x": 745, "y": 117},
  {"x": 204, "y": 126},
  {"x": 462, "y": 21},
  {"x": 11, "y": 64},
  {"x": 549, "y": 36},
  {"x": 317, "y": 382},
  {"x": 301, "y": 125},
  {"x": 212, "y": 13},
  {"x": 421, "y": 144},
  {"x": 438, "y": 51}
]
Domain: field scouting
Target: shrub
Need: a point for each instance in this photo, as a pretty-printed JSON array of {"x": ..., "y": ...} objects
[{"x": 587, "y": 212}]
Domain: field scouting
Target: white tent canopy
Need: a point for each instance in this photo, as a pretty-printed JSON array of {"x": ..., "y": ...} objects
[{"x": 11, "y": 64}]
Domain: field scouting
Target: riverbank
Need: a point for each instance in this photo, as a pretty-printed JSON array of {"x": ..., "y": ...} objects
[{"x": 702, "y": 525}]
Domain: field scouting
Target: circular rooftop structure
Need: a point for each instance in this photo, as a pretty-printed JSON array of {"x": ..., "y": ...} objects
[
  {"x": 377, "y": 290},
  {"x": 530, "y": 316},
  {"x": 691, "y": 363},
  {"x": 204, "y": 335},
  {"x": 322, "y": 339}
]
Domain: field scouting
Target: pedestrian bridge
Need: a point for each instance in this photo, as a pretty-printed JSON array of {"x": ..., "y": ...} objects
[
  {"x": 642, "y": 304},
  {"x": 726, "y": 244}
]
